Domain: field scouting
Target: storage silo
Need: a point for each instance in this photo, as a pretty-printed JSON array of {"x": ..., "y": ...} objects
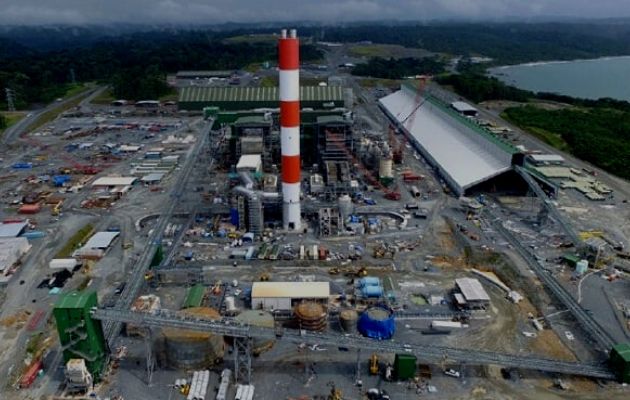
[
  {"x": 345, "y": 206},
  {"x": 262, "y": 319},
  {"x": 348, "y": 320},
  {"x": 377, "y": 323},
  {"x": 311, "y": 316},
  {"x": 192, "y": 349},
  {"x": 385, "y": 168}
]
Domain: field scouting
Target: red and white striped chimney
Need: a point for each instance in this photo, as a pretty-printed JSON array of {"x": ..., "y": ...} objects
[{"x": 289, "y": 66}]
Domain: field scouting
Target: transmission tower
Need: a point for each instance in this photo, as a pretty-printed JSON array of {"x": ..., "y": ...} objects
[
  {"x": 10, "y": 99},
  {"x": 73, "y": 77}
]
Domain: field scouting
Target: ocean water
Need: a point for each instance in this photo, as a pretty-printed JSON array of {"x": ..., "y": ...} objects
[{"x": 590, "y": 79}]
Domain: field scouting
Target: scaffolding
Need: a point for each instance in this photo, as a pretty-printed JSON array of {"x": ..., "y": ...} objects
[{"x": 330, "y": 223}]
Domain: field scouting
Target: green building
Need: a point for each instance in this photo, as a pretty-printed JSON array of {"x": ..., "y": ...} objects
[
  {"x": 196, "y": 98},
  {"x": 404, "y": 366},
  {"x": 620, "y": 361},
  {"x": 80, "y": 335}
]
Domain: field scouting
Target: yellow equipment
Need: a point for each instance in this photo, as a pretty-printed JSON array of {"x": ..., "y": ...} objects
[
  {"x": 57, "y": 208},
  {"x": 585, "y": 235},
  {"x": 264, "y": 277},
  {"x": 335, "y": 394},
  {"x": 374, "y": 364}
]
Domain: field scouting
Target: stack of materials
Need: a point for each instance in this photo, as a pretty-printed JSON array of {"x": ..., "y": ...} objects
[
  {"x": 199, "y": 385},
  {"x": 244, "y": 392},
  {"x": 223, "y": 386}
]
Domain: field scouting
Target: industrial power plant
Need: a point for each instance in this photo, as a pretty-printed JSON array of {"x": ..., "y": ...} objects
[{"x": 293, "y": 231}]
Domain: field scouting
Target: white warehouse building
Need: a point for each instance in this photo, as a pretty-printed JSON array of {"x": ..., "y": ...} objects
[{"x": 285, "y": 295}]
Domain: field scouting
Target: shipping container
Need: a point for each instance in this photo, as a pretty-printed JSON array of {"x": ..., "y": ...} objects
[
  {"x": 30, "y": 209},
  {"x": 445, "y": 325}
]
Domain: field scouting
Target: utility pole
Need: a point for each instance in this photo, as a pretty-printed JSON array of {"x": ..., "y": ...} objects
[{"x": 10, "y": 99}]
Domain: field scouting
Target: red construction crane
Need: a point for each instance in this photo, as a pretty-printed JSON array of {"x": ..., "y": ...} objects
[{"x": 397, "y": 146}]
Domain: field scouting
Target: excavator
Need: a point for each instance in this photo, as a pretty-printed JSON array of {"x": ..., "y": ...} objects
[{"x": 349, "y": 272}]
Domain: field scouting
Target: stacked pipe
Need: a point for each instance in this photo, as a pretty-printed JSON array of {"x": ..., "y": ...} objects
[
  {"x": 289, "y": 66},
  {"x": 199, "y": 385}
]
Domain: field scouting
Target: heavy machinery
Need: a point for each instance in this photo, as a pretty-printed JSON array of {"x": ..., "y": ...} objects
[
  {"x": 374, "y": 364},
  {"x": 335, "y": 394},
  {"x": 349, "y": 272}
]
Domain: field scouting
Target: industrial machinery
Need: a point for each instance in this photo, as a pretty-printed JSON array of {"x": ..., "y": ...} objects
[{"x": 335, "y": 394}]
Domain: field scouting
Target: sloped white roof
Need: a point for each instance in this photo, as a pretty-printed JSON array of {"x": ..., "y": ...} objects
[
  {"x": 11, "y": 229},
  {"x": 472, "y": 289},
  {"x": 451, "y": 144},
  {"x": 115, "y": 181},
  {"x": 100, "y": 240}
]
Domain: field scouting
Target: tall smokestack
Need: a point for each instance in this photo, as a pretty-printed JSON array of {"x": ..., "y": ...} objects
[{"x": 289, "y": 66}]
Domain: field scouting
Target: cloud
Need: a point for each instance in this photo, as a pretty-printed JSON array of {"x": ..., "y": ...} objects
[{"x": 34, "y": 12}]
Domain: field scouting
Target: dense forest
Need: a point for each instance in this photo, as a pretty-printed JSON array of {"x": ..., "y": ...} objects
[
  {"x": 3, "y": 122},
  {"x": 478, "y": 87},
  {"x": 135, "y": 65},
  {"x": 378, "y": 67},
  {"x": 598, "y": 135},
  {"x": 506, "y": 43}
]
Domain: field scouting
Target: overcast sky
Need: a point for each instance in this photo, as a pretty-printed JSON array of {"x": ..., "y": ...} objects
[{"x": 35, "y": 12}]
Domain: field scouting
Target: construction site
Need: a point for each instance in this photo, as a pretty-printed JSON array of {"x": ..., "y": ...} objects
[{"x": 307, "y": 242}]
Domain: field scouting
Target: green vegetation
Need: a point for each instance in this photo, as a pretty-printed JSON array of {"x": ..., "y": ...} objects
[
  {"x": 396, "y": 69},
  {"x": 53, "y": 113},
  {"x": 377, "y": 82},
  {"x": 75, "y": 241},
  {"x": 478, "y": 88},
  {"x": 135, "y": 65},
  {"x": 385, "y": 51},
  {"x": 269, "y": 81},
  {"x": 158, "y": 256},
  {"x": 506, "y": 43},
  {"x": 9, "y": 118},
  {"x": 105, "y": 97},
  {"x": 598, "y": 135},
  {"x": 253, "y": 38}
]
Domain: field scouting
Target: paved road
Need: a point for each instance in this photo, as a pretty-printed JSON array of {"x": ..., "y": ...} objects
[{"x": 22, "y": 126}]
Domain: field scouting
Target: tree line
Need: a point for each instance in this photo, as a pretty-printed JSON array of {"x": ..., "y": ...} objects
[
  {"x": 391, "y": 68},
  {"x": 135, "y": 65}
]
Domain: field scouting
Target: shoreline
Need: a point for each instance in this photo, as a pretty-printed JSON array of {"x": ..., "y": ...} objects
[{"x": 538, "y": 63}]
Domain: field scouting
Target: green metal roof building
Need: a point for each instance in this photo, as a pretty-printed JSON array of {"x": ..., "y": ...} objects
[
  {"x": 620, "y": 361},
  {"x": 246, "y": 98},
  {"x": 79, "y": 334}
]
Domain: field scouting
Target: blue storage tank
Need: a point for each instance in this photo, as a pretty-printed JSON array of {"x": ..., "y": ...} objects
[
  {"x": 372, "y": 291},
  {"x": 377, "y": 323},
  {"x": 369, "y": 281}
]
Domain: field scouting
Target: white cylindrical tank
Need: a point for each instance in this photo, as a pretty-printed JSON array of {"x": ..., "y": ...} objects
[
  {"x": 385, "y": 168},
  {"x": 345, "y": 206},
  {"x": 230, "y": 305}
]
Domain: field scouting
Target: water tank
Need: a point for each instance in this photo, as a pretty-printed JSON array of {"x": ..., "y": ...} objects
[
  {"x": 372, "y": 291},
  {"x": 377, "y": 323},
  {"x": 311, "y": 316},
  {"x": 191, "y": 349},
  {"x": 385, "y": 168},
  {"x": 369, "y": 281},
  {"x": 345, "y": 206},
  {"x": 414, "y": 191},
  {"x": 262, "y": 319},
  {"x": 348, "y": 320}
]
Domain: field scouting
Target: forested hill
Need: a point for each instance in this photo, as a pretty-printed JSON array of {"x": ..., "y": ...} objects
[
  {"x": 507, "y": 43},
  {"x": 134, "y": 64}
]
